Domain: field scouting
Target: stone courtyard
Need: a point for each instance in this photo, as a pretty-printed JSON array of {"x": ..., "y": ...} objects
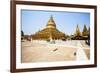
[{"x": 43, "y": 51}]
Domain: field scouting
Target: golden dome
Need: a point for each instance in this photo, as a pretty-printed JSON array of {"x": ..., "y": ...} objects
[{"x": 51, "y": 23}]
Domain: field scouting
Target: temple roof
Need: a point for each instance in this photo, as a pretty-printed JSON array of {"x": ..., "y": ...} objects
[{"x": 49, "y": 30}]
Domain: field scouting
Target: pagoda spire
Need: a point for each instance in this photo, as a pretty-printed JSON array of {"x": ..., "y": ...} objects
[
  {"x": 51, "y": 23},
  {"x": 78, "y": 33}
]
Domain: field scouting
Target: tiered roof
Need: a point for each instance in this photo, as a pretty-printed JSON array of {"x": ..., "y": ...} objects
[{"x": 49, "y": 31}]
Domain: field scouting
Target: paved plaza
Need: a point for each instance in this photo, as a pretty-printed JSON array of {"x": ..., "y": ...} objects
[{"x": 43, "y": 51}]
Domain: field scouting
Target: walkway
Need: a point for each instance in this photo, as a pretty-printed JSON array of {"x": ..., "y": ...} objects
[{"x": 81, "y": 55}]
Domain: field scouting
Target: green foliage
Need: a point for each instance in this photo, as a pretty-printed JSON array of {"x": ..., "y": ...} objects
[{"x": 22, "y": 33}]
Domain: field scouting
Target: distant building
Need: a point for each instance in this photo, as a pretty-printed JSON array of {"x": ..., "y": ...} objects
[
  {"x": 49, "y": 32},
  {"x": 80, "y": 35}
]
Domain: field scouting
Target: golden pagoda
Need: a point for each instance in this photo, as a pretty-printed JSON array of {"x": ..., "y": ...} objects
[
  {"x": 77, "y": 33},
  {"x": 50, "y": 31}
]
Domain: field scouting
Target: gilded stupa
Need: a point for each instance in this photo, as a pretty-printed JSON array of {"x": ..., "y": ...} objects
[{"x": 50, "y": 31}]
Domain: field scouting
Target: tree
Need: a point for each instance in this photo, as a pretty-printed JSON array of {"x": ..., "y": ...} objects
[
  {"x": 89, "y": 33},
  {"x": 78, "y": 33},
  {"x": 85, "y": 31},
  {"x": 22, "y": 33},
  {"x": 88, "y": 39}
]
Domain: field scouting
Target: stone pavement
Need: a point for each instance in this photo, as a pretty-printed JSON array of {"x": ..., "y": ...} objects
[
  {"x": 40, "y": 51},
  {"x": 81, "y": 55}
]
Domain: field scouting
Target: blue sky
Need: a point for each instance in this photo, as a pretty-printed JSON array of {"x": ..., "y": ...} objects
[{"x": 33, "y": 21}]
